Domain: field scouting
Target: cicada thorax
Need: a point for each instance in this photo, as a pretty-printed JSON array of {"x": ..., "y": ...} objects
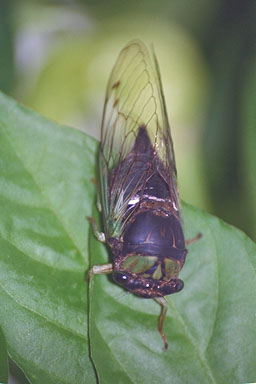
[{"x": 150, "y": 250}]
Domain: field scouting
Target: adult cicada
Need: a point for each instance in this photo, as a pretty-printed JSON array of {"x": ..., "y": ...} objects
[{"x": 139, "y": 196}]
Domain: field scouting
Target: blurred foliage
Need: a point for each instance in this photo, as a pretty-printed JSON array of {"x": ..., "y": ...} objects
[
  {"x": 232, "y": 49},
  {"x": 248, "y": 165},
  {"x": 7, "y": 75},
  {"x": 64, "y": 51}
]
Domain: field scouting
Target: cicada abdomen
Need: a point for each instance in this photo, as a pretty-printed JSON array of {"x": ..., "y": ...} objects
[{"x": 139, "y": 196}]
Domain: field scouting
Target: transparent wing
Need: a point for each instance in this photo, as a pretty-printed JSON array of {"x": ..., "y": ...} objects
[{"x": 134, "y": 100}]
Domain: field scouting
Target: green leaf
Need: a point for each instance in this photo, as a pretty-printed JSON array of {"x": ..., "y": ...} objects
[
  {"x": 3, "y": 359},
  {"x": 210, "y": 325},
  {"x": 45, "y": 196}
]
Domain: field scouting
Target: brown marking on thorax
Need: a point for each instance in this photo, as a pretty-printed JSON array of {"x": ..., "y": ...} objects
[
  {"x": 147, "y": 241},
  {"x": 159, "y": 208},
  {"x": 163, "y": 232}
]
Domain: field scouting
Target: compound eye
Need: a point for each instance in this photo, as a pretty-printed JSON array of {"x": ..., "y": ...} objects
[
  {"x": 120, "y": 278},
  {"x": 174, "y": 286},
  {"x": 148, "y": 284},
  {"x": 179, "y": 285}
]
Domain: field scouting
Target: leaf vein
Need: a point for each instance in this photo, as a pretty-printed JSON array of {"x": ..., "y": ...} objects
[{"x": 51, "y": 321}]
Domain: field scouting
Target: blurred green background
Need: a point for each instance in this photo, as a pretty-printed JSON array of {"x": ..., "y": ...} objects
[{"x": 56, "y": 57}]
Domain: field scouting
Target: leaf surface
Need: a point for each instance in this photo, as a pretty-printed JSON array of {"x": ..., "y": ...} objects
[
  {"x": 45, "y": 196},
  {"x": 3, "y": 359}
]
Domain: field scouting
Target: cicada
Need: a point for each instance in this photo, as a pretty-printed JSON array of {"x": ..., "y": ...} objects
[{"x": 139, "y": 196}]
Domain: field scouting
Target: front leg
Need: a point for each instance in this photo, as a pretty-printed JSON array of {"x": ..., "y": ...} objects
[
  {"x": 99, "y": 270},
  {"x": 162, "y": 301}
]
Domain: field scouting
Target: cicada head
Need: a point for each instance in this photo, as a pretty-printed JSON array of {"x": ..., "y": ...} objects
[
  {"x": 147, "y": 287},
  {"x": 149, "y": 276}
]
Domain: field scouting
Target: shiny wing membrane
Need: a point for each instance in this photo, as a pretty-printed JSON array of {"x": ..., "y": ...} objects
[{"x": 134, "y": 99}]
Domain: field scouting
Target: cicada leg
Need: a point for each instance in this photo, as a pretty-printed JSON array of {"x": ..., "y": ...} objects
[
  {"x": 162, "y": 301},
  {"x": 99, "y": 203},
  {"x": 99, "y": 270},
  {"x": 197, "y": 237},
  {"x": 100, "y": 235}
]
